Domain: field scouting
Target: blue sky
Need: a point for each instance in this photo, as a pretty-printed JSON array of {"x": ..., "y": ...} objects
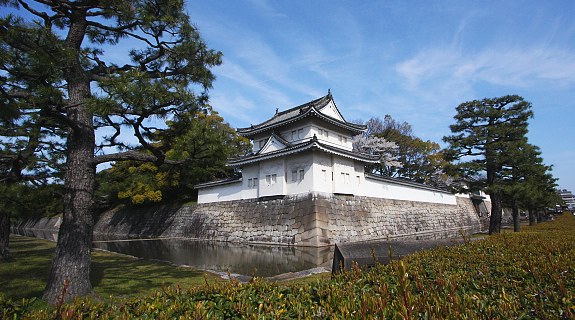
[{"x": 414, "y": 60}]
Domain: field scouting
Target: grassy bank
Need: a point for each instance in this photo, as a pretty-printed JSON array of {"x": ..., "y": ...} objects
[
  {"x": 25, "y": 275},
  {"x": 513, "y": 275}
]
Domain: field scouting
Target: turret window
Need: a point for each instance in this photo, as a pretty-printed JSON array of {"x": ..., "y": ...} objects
[
  {"x": 345, "y": 177},
  {"x": 252, "y": 183},
  {"x": 271, "y": 179},
  {"x": 297, "y": 175}
]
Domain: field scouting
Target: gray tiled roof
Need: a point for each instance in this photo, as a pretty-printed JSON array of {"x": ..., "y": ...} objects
[{"x": 295, "y": 113}]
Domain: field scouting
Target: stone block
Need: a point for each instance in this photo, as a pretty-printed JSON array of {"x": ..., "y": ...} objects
[
  {"x": 322, "y": 216},
  {"x": 310, "y": 234}
]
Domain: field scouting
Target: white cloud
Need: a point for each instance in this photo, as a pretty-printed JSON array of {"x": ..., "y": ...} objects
[
  {"x": 264, "y": 7},
  {"x": 520, "y": 68},
  {"x": 234, "y": 108},
  {"x": 438, "y": 79}
]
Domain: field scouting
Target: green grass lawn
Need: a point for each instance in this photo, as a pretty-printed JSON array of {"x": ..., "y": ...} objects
[{"x": 25, "y": 275}]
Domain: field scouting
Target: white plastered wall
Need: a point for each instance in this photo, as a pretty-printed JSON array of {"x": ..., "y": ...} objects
[
  {"x": 226, "y": 192},
  {"x": 322, "y": 172},
  {"x": 333, "y": 136},
  {"x": 268, "y": 185},
  {"x": 298, "y": 133},
  {"x": 343, "y": 175},
  {"x": 389, "y": 190},
  {"x": 250, "y": 190},
  {"x": 294, "y": 165}
]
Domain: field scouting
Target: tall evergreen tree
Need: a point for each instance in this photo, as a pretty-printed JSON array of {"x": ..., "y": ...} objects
[
  {"x": 523, "y": 175},
  {"x": 539, "y": 192},
  {"x": 483, "y": 136},
  {"x": 56, "y": 78}
]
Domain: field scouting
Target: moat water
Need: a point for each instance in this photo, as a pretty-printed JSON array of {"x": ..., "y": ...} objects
[
  {"x": 238, "y": 260},
  {"x": 220, "y": 257}
]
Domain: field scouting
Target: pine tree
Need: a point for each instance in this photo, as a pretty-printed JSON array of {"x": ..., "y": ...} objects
[
  {"x": 483, "y": 136},
  {"x": 524, "y": 176},
  {"x": 57, "y": 81}
]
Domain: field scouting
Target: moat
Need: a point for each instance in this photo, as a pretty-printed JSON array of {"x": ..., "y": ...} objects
[{"x": 220, "y": 257}]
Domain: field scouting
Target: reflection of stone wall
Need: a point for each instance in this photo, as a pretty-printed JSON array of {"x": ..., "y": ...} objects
[
  {"x": 308, "y": 219},
  {"x": 41, "y": 224},
  {"x": 224, "y": 256}
]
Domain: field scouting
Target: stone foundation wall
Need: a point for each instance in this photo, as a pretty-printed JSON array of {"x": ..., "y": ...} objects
[
  {"x": 312, "y": 219},
  {"x": 361, "y": 218}
]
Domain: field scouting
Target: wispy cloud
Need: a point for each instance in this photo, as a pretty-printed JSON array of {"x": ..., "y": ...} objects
[
  {"x": 266, "y": 9},
  {"x": 236, "y": 107},
  {"x": 512, "y": 67},
  {"x": 438, "y": 79}
]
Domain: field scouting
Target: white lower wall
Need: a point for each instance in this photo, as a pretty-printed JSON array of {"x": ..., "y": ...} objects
[
  {"x": 322, "y": 173},
  {"x": 370, "y": 187},
  {"x": 272, "y": 178},
  {"x": 226, "y": 192}
]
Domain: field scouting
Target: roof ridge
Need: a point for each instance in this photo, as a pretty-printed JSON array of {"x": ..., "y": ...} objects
[
  {"x": 281, "y": 113},
  {"x": 309, "y": 103}
]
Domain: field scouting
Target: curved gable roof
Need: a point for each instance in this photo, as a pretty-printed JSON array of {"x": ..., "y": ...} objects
[
  {"x": 275, "y": 142},
  {"x": 323, "y": 108}
]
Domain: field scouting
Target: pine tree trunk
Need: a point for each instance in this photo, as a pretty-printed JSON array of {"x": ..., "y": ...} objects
[
  {"x": 70, "y": 271},
  {"x": 515, "y": 213},
  {"x": 496, "y": 214},
  {"x": 532, "y": 217},
  {"x": 4, "y": 234}
]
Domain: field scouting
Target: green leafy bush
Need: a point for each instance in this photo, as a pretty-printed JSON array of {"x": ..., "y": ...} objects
[{"x": 527, "y": 275}]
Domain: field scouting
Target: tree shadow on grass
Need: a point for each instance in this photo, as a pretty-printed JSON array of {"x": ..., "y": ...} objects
[
  {"x": 117, "y": 275},
  {"x": 26, "y": 273}
]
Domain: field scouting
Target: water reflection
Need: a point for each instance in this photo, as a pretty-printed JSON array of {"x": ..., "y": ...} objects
[
  {"x": 243, "y": 259},
  {"x": 36, "y": 233},
  {"x": 235, "y": 258}
]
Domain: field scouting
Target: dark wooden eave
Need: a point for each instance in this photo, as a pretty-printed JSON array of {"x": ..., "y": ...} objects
[{"x": 312, "y": 144}]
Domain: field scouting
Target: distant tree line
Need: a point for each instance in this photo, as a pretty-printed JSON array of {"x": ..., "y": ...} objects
[{"x": 487, "y": 151}]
